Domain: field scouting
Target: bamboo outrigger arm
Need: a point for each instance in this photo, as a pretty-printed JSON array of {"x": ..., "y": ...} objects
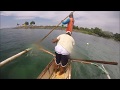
[
  {"x": 13, "y": 57},
  {"x": 94, "y": 61}
]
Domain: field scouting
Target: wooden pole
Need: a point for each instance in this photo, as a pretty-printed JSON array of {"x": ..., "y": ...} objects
[
  {"x": 52, "y": 29},
  {"x": 47, "y": 52},
  {"x": 81, "y": 60},
  {"x": 13, "y": 57},
  {"x": 95, "y": 61}
]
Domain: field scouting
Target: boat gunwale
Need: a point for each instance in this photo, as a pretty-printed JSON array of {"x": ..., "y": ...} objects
[
  {"x": 49, "y": 64},
  {"x": 45, "y": 69}
]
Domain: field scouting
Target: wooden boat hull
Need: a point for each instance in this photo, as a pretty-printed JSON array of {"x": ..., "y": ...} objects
[{"x": 48, "y": 72}]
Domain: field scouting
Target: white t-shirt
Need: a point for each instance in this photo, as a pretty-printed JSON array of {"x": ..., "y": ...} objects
[
  {"x": 66, "y": 41},
  {"x": 60, "y": 50}
]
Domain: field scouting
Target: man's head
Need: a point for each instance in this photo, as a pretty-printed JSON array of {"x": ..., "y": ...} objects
[
  {"x": 71, "y": 15},
  {"x": 68, "y": 32}
]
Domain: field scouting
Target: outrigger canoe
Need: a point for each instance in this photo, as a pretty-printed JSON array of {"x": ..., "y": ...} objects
[{"x": 48, "y": 72}]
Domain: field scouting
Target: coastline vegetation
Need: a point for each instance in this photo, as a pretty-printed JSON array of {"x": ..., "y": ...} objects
[{"x": 92, "y": 31}]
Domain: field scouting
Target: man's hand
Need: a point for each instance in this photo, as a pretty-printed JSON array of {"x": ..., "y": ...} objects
[
  {"x": 54, "y": 40},
  {"x": 62, "y": 20}
]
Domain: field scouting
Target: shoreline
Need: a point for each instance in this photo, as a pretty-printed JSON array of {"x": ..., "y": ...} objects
[
  {"x": 38, "y": 27},
  {"x": 51, "y": 27},
  {"x": 60, "y": 28}
]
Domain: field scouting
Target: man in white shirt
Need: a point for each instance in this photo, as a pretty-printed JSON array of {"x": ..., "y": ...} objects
[{"x": 63, "y": 50}]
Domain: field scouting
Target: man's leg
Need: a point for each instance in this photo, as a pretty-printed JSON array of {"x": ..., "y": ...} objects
[
  {"x": 64, "y": 62},
  {"x": 57, "y": 62}
]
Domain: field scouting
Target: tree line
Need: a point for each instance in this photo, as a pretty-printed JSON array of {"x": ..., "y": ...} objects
[
  {"x": 27, "y": 23},
  {"x": 93, "y": 31},
  {"x": 99, "y": 32}
]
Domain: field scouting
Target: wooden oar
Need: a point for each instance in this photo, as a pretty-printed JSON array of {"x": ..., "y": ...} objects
[
  {"x": 82, "y": 60},
  {"x": 95, "y": 61},
  {"x": 47, "y": 52}
]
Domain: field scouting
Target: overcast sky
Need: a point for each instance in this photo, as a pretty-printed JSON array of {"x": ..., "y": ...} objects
[{"x": 105, "y": 20}]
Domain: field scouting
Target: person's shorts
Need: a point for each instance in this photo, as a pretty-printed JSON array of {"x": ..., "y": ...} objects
[
  {"x": 60, "y": 50},
  {"x": 61, "y": 59}
]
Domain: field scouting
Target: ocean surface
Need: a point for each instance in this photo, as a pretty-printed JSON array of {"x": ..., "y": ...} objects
[{"x": 31, "y": 64}]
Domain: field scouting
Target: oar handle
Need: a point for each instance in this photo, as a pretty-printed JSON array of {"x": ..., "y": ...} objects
[{"x": 95, "y": 61}]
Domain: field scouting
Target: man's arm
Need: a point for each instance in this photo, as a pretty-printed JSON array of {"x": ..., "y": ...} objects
[
  {"x": 55, "y": 40},
  {"x": 66, "y": 21}
]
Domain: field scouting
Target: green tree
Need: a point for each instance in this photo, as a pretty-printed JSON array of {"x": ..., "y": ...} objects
[
  {"x": 75, "y": 27},
  {"x": 32, "y": 22},
  {"x": 26, "y": 23},
  {"x": 18, "y": 24},
  {"x": 98, "y": 31},
  {"x": 117, "y": 36}
]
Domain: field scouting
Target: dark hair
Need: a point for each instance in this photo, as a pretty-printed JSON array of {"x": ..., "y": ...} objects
[
  {"x": 71, "y": 15},
  {"x": 68, "y": 33}
]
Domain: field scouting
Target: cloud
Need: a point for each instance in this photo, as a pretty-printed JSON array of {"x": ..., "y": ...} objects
[
  {"x": 107, "y": 20},
  {"x": 24, "y": 17},
  {"x": 34, "y": 14}
]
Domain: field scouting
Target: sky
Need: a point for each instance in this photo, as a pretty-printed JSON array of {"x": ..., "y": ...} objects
[{"x": 105, "y": 20}]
